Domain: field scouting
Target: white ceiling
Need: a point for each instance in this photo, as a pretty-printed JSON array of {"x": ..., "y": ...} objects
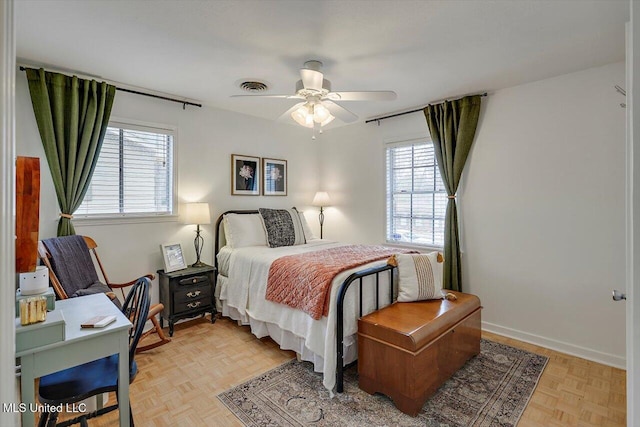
[{"x": 422, "y": 50}]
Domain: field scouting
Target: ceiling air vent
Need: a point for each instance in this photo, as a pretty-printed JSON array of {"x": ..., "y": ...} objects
[{"x": 253, "y": 86}]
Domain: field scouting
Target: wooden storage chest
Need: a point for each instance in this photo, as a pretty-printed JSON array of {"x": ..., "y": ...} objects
[{"x": 407, "y": 350}]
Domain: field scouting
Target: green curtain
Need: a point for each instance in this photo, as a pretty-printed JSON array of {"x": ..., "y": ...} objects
[
  {"x": 72, "y": 116},
  {"x": 452, "y": 125}
]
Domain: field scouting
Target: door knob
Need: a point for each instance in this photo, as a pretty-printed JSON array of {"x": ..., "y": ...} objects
[{"x": 617, "y": 295}]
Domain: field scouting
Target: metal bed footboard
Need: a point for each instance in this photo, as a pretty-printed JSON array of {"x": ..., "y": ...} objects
[{"x": 342, "y": 292}]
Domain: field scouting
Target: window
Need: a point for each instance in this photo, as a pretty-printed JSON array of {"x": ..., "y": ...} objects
[
  {"x": 134, "y": 174},
  {"x": 416, "y": 197}
]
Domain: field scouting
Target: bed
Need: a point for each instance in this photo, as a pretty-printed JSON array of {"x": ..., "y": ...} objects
[{"x": 243, "y": 262}]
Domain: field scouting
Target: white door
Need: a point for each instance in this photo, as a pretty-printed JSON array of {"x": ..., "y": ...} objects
[
  {"x": 7, "y": 228},
  {"x": 633, "y": 217}
]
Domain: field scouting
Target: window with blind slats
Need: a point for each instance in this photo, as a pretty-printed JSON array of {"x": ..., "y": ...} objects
[
  {"x": 134, "y": 174},
  {"x": 416, "y": 197}
]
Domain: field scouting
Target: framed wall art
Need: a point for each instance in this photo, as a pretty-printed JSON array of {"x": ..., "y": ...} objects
[
  {"x": 172, "y": 257},
  {"x": 245, "y": 175},
  {"x": 274, "y": 178}
]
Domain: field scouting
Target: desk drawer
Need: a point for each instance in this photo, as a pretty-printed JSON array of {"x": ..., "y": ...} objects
[
  {"x": 193, "y": 280},
  {"x": 40, "y": 334}
]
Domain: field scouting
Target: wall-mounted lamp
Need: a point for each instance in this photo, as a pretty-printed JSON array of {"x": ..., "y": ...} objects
[
  {"x": 321, "y": 199},
  {"x": 197, "y": 213}
]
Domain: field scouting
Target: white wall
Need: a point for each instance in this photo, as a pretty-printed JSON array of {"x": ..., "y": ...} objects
[
  {"x": 206, "y": 139},
  {"x": 541, "y": 207}
]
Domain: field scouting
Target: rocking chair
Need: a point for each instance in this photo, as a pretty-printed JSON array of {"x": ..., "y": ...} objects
[{"x": 72, "y": 273}]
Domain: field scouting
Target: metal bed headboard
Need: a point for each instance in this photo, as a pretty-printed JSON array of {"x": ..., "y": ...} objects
[{"x": 219, "y": 234}]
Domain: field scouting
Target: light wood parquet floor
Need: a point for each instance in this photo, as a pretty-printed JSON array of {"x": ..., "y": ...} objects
[{"x": 178, "y": 383}]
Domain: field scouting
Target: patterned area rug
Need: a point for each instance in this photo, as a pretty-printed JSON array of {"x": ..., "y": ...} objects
[{"x": 492, "y": 389}]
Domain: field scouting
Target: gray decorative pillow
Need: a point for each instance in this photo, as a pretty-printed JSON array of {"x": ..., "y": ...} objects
[{"x": 282, "y": 226}]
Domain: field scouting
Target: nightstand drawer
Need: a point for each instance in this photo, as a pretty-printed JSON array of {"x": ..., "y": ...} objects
[
  {"x": 192, "y": 293},
  {"x": 194, "y": 304},
  {"x": 193, "y": 280}
]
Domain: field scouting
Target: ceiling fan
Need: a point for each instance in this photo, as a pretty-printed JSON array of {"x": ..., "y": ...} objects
[{"x": 319, "y": 106}]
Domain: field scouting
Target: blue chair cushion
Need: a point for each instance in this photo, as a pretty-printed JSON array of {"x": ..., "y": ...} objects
[{"x": 82, "y": 381}]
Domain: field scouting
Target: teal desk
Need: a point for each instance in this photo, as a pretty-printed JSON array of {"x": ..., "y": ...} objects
[{"x": 79, "y": 346}]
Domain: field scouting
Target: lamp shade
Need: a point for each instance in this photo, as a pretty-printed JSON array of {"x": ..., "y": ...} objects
[
  {"x": 321, "y": 199},
  {"x": 196, "y": 213}
]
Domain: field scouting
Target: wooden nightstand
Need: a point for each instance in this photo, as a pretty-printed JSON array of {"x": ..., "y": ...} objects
[{"x": 187, "y": 293}]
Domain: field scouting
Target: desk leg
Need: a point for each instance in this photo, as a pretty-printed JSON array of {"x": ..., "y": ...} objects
[
  {"x": 27, "y": 390},
  {"x": 123, "y": 380}
]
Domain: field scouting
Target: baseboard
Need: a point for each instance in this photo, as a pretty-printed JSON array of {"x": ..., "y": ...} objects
[{"x": 573, "y": 350}]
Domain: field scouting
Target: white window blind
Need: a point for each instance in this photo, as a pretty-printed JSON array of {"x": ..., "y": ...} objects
[
  {"x": 134, "y": 174},
  {"x": 416, "y": 197}
]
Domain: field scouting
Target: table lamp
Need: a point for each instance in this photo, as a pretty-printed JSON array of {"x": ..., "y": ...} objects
[
  {"x": 321, "y": 199},
  {"x": 197, "y": 213}
]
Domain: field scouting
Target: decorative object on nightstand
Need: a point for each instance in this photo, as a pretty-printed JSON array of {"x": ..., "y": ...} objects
[
  {"x": 197, "y": 213},
  {"x": 187, "y": 293},
  {"x": 321, "y": 199}
]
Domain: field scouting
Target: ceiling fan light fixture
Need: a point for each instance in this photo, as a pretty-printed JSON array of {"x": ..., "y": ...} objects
[
  {"x": 312, "y": 113},
  {"x": 303, "y": 116},
  {"x": 320, "y": 113}
]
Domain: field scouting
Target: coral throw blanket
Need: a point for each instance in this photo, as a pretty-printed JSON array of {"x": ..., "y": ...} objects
[{"x": 303, "y": 281}]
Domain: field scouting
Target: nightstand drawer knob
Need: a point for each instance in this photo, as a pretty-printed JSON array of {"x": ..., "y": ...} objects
[
  {"x": 193, "y": 294},
  {"x": 194, "y": 304},
  {"x": 194, "y": 280}
]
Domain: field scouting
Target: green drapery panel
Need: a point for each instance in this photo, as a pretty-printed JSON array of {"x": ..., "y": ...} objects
[
  {"x": 72, "y": 116},
  {"x": 452, "y": 125}
]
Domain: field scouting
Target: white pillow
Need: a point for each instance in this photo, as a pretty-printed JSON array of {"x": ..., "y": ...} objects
[
  {"x": 308, "y": 234},
  {"x": 419, "y": 276},
  {"x": 241, "y": 230}
]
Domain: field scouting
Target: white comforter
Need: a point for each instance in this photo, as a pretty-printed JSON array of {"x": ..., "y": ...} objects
[{"x": 246, "y": 287}]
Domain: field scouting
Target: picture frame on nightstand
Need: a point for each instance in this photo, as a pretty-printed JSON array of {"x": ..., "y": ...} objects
[{"x": 173, "y": 257}]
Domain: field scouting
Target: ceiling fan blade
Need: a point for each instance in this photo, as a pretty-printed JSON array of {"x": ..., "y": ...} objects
[
  {"x": 311, "y": 79},
  {"x": 287, "y": 114},
  {"x": 340, "y": 112},
  {"x": 268, "y": 96},
  {"x": 374, "y": 95}
]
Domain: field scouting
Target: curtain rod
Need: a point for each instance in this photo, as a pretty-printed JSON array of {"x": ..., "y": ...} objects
[
  {"x": 166, "y": 98},
  {"x": 377, "y": 119}
]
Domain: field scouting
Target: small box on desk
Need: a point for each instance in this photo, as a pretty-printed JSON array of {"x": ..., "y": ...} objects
[
  {"x": 49, "y": 294},
  {"x": 40, "y": 334}
]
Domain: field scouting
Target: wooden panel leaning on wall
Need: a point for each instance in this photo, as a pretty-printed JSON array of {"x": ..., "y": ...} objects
[{"x": 27, "y": 212}]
